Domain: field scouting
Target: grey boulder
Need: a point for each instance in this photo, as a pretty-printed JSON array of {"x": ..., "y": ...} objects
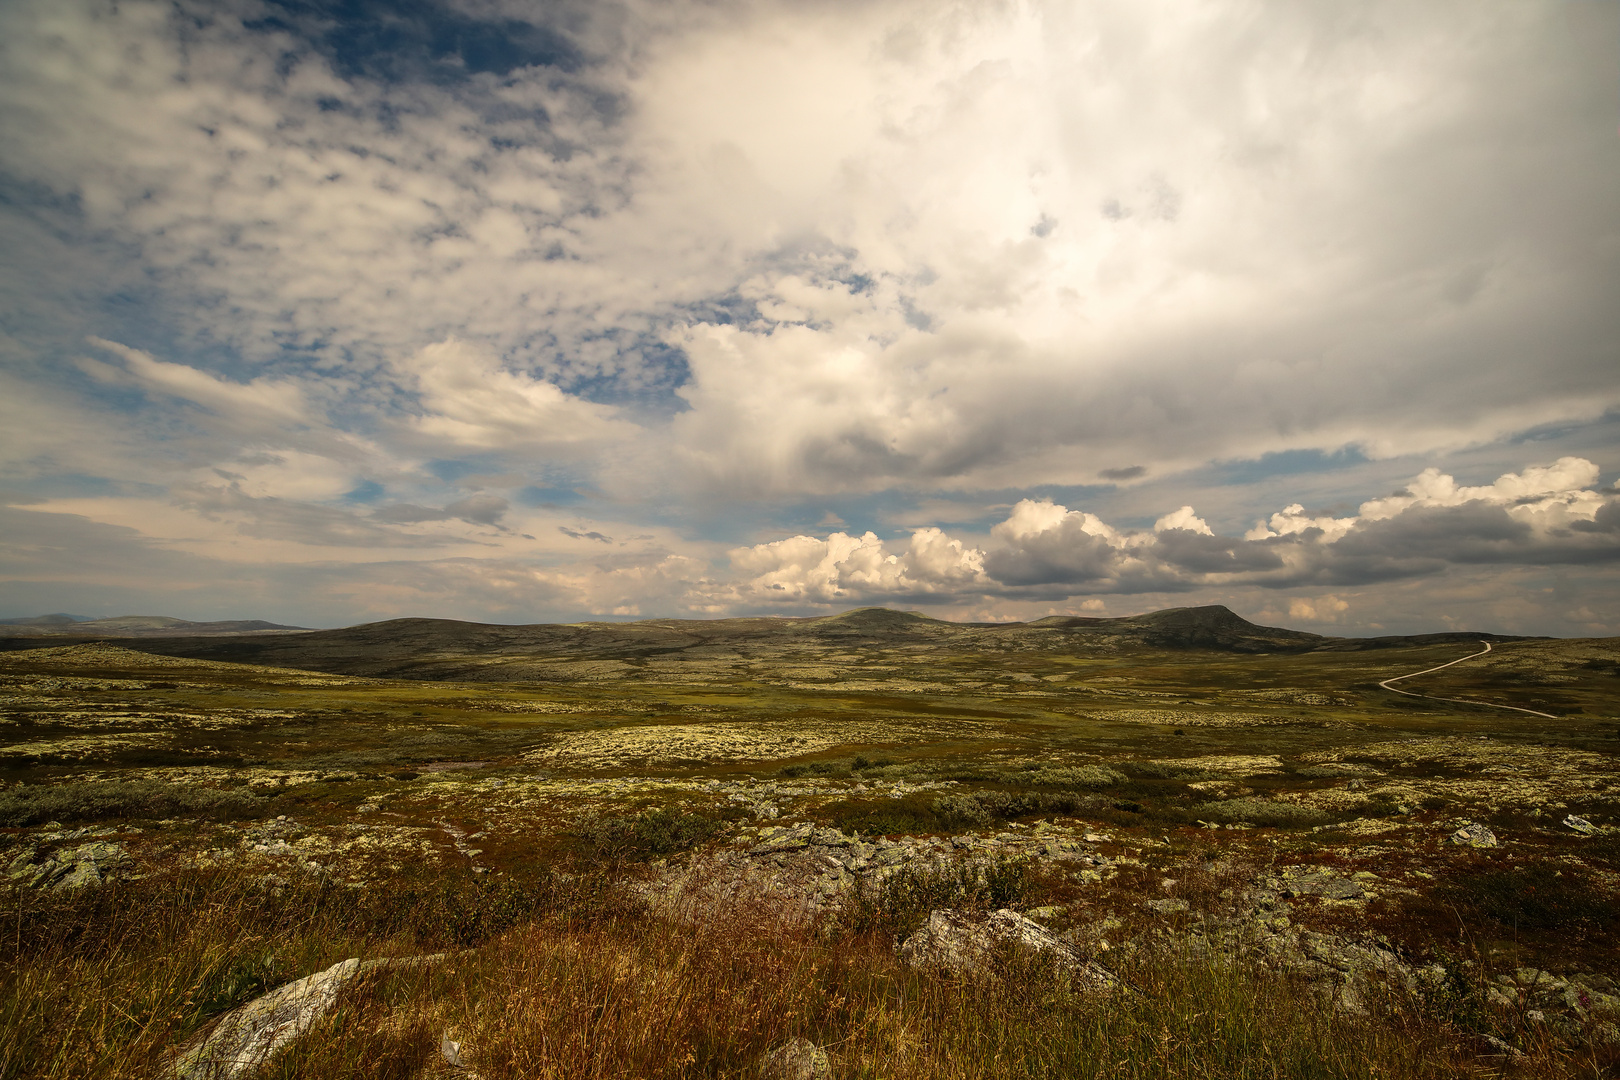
[
  {"x": 962, "y": 944},
  {"x": 1474, "y": 835},
  {"x": 796, "y": 1059},
  {"x": 87, "y": 864}
]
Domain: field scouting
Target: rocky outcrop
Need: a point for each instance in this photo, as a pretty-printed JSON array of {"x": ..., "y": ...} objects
[
  {"x": 814, "y": 870},
  {"x": 87, "y": 864},
  {"x": 963, "y": 944},
  {"x": 1347, "y": 971}
]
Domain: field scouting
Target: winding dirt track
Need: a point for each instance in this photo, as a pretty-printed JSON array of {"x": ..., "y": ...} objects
[{"x": 1460, "y": 701}]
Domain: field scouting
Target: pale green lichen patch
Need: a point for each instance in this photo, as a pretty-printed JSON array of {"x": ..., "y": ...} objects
[{"x": 712, "y": 743}]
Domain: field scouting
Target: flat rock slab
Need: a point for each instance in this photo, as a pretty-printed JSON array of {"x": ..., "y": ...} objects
[
  {"x": 246, "y": 1038},
  {"x": 1328, "y": 886}
]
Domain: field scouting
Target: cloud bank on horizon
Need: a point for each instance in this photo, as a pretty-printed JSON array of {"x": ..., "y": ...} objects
[{"x": 321, "y": 311}]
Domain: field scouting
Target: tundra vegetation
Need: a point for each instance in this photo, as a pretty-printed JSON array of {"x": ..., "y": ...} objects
[{"x": 669, "y": 849}]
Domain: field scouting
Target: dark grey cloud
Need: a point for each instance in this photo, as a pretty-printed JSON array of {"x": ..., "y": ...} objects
[
  {"x": 1066, "y": 556},
  {"x": 273, "y": 518}
]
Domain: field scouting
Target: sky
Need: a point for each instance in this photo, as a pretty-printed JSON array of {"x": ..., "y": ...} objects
[{"x": 332, "y": 311}]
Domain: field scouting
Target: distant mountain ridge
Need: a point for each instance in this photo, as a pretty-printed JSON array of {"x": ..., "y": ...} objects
[
  {"x": 433, "y": 649},
  {"x": 59, "y": 619},
  {"x": 135, "y": 626}
]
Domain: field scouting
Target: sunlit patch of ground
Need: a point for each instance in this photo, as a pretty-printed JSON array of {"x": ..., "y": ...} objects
[
  {"x": 1209, "y": 718},
  {"x": 714, "y": 743}
]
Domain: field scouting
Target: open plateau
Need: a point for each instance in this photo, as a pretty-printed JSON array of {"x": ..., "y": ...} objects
[{"x": 873, "y": 844}]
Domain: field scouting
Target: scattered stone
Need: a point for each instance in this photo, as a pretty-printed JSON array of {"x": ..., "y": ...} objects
[
  {"x": 1474, "y": 835},
  {"x": 1580, "y": 825},
  {"x": 962, "y": 944},
  {"x": 1505, "y": 1049},
  {"x": 1167, "y": 906},
  {"x": 796, "y": 1059},
  {"x": 1323, "y": 884}
]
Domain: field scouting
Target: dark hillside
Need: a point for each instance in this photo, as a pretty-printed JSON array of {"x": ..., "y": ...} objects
[{"x": 446, "y": 649}]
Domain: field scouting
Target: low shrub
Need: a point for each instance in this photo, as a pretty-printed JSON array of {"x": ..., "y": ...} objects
[
  {"x": 886, "y": 817},
  {"x": 32, "y": 804},
  {"x": 1167, "y": 770},
  {"x": 1537, "y": 897},
  {"x": 650, "y": 834},
  {"x": 585, "y": 985},
  {"x": 1093, "y": 777},
  {"x": 900, "y": 905},
  {"x": 1256, "y": 811},
  {"x": 987, "y": 807}
]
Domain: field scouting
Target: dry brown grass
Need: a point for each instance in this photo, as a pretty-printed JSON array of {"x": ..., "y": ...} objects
[{"x": 568, "y": 979}]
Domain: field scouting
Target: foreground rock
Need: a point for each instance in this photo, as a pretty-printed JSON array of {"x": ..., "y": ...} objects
[
  {"x": 248, "y": 1037},
  {"x": 796, "y": 1059},
  {"x": 962, "y": 944}
]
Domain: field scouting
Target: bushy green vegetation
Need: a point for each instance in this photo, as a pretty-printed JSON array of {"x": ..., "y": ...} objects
[
  {"x": 649, "y": 834},
  {"x": 1258, "y": 811},
  {"x": 1093, "y": 777},
  {"x": 902, "y": 902},
  {"x": 33, "y": 804}
]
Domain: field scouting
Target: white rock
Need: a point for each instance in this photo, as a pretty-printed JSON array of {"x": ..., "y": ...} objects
[
  {"x": 246, "y": 1038},
  {"x": 1580, "y": 825}
]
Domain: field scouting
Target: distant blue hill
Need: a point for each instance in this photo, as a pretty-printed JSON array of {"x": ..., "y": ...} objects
[
  {"x": 136, "y": 626},
  {"x": 48, "y": 620}
]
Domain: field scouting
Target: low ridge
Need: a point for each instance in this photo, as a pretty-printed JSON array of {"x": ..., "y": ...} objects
[
  {"x": 433, "y": 649},
  {"x": 136, "y": 626}
]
